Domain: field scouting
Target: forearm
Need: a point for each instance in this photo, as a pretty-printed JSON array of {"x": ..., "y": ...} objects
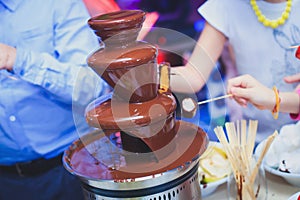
[
  {"x": 186, "y": 80},
  {"x": 67, "y": 81},
  {"x": 56, "y": 61},
  {"x": 193, "y": 76},
  {"x": 290, "y": 102}
]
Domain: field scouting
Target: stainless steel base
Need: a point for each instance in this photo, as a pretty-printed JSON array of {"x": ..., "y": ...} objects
[{"x": 183, "y": 188}]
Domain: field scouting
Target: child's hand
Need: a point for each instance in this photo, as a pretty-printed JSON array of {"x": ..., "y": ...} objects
[{"x": 247, "y": 89}]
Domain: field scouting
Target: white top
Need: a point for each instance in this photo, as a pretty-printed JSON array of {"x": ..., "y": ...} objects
[{"x": 260, "y": 51}]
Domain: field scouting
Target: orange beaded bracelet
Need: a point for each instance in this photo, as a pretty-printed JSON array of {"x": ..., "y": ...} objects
[{"x": 276, "y": 108}]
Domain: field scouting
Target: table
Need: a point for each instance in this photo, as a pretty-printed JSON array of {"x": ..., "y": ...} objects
[{"x": 278, "y": 189}]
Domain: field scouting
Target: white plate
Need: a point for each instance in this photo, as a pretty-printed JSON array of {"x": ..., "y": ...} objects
[
  {"x": 293, "y": 179},
  {"x": 295, "y": 196},
  {"x": 209, "y": 188}
]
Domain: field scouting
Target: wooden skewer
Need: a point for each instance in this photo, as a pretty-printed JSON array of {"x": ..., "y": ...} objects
[
  {"x": 238, "y": 166},
  {"x": 252, "y": 129},
  {"x": 214, "y": 99},
  {"x": 239, "y": 145},
  {"x": 295, "y": 46},
  {"x": 262, "y": 155}
]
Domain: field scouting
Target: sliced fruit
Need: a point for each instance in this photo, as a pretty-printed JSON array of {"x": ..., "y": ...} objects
[
  {"x": 209, "y": 179},
  {"x": 214, "y": 165},
  {"x": 213, "y": 149},
  {"x": 220, "y": 151}
]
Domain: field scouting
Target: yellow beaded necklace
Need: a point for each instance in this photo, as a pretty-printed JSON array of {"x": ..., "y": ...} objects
[{"x": 272, "y": 23}]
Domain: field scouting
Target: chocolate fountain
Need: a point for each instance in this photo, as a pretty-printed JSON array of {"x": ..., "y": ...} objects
[{"x": 138, "y": 149}]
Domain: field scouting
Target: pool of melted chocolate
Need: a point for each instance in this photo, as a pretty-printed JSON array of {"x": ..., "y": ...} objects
[{"x": 97, "y": 156}]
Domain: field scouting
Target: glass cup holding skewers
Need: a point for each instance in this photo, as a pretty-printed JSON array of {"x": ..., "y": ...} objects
[{"x": 248, "y": 181}]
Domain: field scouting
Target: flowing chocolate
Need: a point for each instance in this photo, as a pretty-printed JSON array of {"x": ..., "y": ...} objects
[
  {"x": 151, "y": 122},
  {"x": 138, "y": 134},
  {"x": 190, "y": 140},
  {"x": 115, "y": 23},
  {"x": 129, "y": 66}
]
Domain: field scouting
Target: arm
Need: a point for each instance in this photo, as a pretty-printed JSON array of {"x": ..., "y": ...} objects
[
  {"x": 293, "y": 79},
  {"x": 59, "y": 66},
  {"x": 192, "y": 77},
  {"x": 246, "y": 89}
]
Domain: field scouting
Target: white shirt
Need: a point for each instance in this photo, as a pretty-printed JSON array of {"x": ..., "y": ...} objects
[{"x": 260, "y": 51}]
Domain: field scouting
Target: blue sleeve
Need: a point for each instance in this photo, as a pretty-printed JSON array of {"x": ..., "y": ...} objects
[{"x": 64, "y": 71}]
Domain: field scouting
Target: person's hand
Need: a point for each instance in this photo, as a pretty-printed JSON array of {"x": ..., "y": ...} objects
[
  {"x": 293, "y": 79},
  {"x": 246, "y": 89},
  {"x": 7, "y": 57}
]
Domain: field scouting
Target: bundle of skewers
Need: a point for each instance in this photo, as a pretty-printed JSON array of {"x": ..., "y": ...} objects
[{"x": 239, "y": 142}]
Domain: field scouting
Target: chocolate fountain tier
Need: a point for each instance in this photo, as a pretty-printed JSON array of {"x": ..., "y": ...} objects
[
  {"x": 145, "y": 126},
  {"x": 127, "y": 65},
  {"x": 102, "y": 159},
  {"x": 112, "y": 113},
  {"x": 107, "y": 172},
  {"x": 109, "y": 58},
  {"x": 110, "y": 24},
  {"x": 130, "y": 70}
]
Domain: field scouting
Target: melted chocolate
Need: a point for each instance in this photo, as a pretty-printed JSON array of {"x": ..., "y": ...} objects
[
  {"x": 129, "y": 66},
  {"x": 131, "y": 71},
  {"x": 190, "y": 142},
  {"x": 150, "y": 122},
  {"x": 111, "y": 24},
  {"x": 116, "y": 114},
  {"x": 142, "y": 136}
]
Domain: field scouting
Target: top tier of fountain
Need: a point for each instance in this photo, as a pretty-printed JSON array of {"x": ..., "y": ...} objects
[{"x": 122, "y": 52}]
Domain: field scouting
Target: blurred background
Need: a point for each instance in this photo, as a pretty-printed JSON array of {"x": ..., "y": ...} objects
[{"x": 179, "y": 15}]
